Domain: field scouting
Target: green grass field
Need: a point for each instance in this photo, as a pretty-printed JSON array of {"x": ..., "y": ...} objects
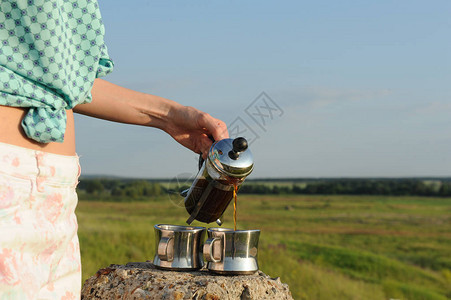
[{"x": 324, "y": 247}]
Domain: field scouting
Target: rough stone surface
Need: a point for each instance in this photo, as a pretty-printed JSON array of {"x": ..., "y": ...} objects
[{"x": 144, "y": 281}]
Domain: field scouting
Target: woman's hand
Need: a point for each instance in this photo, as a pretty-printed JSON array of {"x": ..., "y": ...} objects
[
  {"x": 192, "y": 128},
  {"x": 187, "y": 125}
]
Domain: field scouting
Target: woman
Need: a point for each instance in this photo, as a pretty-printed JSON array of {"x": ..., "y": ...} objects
[{"x": 51, "y": 58}]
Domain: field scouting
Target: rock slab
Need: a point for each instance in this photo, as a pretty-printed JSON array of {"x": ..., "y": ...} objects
[{"x": 144, "y": 281}]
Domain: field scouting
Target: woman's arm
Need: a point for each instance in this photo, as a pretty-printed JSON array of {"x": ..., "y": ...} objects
[{"x": 187, "y": 125}]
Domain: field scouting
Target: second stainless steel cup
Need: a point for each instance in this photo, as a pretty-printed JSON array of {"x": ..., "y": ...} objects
[
  {"x": 178, "y": 247},
  {"x": 232, "y": 252}
]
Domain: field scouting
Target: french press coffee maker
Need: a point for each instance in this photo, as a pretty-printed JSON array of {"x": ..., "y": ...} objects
[{"x": 228, "y": 163}]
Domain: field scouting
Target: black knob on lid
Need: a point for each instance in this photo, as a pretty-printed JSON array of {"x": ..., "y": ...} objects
[{"x": 239, "y": 145}]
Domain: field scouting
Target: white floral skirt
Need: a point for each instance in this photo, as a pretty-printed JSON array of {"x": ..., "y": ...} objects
[{"x": 39, "y": 250}]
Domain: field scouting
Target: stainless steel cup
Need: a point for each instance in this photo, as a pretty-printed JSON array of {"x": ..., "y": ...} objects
[
  {"x": 178, "y": 247},
  {"x": 231, "y": 252}
]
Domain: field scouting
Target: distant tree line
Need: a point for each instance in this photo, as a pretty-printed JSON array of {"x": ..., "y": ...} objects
[
  {"x": 126, "y": 188},
  {"x": 121, "y": 188},
  {"x": 395, "y": 187}
]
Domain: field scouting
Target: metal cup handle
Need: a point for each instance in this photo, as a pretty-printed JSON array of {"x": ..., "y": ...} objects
[
  {"x": 208, "y": 250},
  {"x": 163, "y": 246}
]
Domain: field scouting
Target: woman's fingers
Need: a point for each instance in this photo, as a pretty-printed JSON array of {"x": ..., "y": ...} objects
[
  {"x": 215, "y": 127},
  {"x": 195, "y": 129}
]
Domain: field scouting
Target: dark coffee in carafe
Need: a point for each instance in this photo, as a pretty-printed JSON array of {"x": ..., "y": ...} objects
[{"x": 228, "y": 163}]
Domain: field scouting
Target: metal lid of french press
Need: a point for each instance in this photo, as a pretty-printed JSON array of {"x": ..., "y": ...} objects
[{"x": 232, "y": 157}]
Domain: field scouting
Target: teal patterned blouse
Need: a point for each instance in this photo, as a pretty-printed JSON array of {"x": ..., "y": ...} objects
[{"x": 51, "y": 51}]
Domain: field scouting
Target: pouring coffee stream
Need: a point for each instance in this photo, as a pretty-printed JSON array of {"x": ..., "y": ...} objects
[{"x": 228, "y": 163}]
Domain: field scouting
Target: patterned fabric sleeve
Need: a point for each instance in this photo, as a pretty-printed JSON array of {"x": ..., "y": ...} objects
[{"x": 51, "y": 52}]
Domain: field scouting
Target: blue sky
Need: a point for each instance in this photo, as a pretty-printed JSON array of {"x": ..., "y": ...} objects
[{"x": 363, "y": 86}]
